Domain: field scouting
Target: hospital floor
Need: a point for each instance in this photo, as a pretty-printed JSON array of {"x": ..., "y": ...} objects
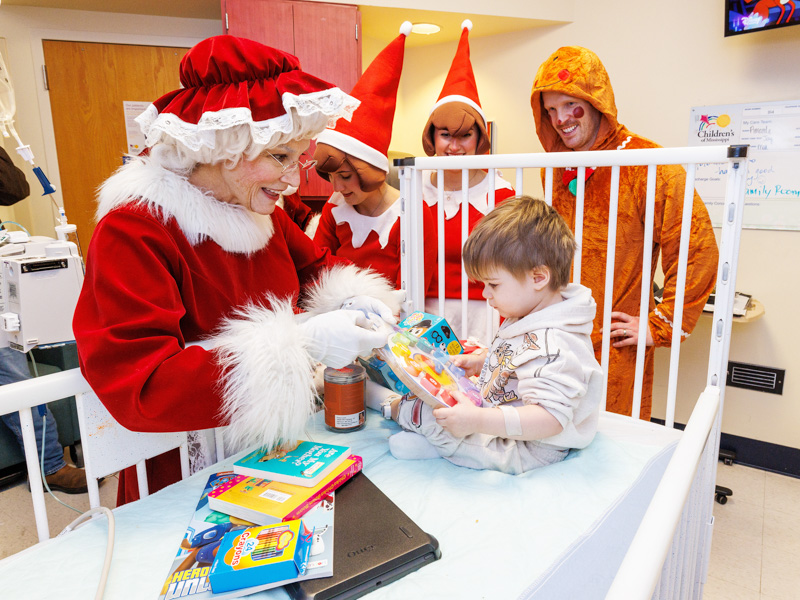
[{"x": 755, "y": 550}]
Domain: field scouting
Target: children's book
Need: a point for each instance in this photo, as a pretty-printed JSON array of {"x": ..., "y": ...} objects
[
  {"x": 258, "y": 555},
  {"x": 264, "y": 501},
  {"x": 307, "y": 464},
  {"x": 188, "y": 575}
]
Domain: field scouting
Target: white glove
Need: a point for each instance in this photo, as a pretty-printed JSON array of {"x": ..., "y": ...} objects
[
  {"x": 369, "y": 305},
  {"x": 336, "y": 338}
]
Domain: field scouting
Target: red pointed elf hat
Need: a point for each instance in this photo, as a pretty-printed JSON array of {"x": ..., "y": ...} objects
[
  {"x": 368, "y": 134},
  {"x": 460, "y": 84},
  {"x": 228, "y": 81}
]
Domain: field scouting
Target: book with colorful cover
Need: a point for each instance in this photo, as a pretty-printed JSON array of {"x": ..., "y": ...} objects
[
  {"x": 265, "y": 501},
  {"x": 188, "y": 575},
  {"x": 307, "y": 464},
  {"x": 273, "y": 553}
]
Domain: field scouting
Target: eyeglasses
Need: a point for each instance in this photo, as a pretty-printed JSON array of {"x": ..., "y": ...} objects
[{"x": 304, "y": 165}]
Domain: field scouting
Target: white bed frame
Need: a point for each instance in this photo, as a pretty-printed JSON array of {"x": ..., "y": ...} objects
[{"x": 668, "y": 557}]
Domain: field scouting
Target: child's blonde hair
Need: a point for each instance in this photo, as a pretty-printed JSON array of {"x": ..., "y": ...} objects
[{"x": 520, "y": 235}]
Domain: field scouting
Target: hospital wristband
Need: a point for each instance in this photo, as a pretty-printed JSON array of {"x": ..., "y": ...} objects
[{"x": 511, "y": 418}]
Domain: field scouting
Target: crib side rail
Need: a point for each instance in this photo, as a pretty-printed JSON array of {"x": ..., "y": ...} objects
[
  {"x": 642, "y": 566},
  {"x": 23, "y": 396}
]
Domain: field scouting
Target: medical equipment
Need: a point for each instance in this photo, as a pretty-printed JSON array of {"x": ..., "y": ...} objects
[
  {"x": 7, "y": 109},
  {"x": 41, "y": 281}
]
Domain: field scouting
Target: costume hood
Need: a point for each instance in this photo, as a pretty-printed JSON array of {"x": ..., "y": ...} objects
[{"x": 577, "y": 72}]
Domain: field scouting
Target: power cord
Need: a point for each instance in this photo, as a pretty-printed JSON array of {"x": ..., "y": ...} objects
[{"x": 101, "y": 586}]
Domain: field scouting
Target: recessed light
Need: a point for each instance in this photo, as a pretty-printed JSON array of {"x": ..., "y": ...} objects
[{"x": 425, "y": 28}]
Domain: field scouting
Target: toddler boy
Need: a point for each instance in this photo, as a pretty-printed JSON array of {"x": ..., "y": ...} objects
[{"x": 540, "y": 382}]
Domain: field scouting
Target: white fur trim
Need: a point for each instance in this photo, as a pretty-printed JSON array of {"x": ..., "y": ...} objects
[
  {"x": 405, "y": 28},
  {"x": 268, "y": 381},
  {"x": 200, "y": 216},
  {"x": 459, "y": 98},
  {"x": 354, "y": 147},
  {"x": 311, "y": 228},
  {"x": 345, "y": 281},
  {"x": 466, "y": 24}
]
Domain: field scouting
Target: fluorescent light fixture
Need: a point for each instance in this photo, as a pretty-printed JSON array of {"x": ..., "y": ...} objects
[{"x": 425, "y": 28}]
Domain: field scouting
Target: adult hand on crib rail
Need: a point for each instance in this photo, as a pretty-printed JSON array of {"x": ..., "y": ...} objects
[{"x": 625, "y": 330}]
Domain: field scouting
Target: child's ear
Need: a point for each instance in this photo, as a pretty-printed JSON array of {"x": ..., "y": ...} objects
[{"x": 541, "y": 277}]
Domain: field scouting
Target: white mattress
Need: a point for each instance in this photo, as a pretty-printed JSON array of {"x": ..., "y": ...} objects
[{"x": 557, "y": 532}]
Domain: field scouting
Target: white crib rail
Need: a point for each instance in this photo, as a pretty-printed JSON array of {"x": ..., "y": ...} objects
[
  {"x": 23, "y": 396},
  {"x": 669, "y": 555}
]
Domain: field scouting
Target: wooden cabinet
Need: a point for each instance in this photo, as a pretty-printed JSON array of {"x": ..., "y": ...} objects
[{"x": 325, "y": 37}]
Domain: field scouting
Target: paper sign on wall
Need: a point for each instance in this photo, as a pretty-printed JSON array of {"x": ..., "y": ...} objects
[
  {"x": 132, "y": 130},
  {"x": 772, "y": 129}
]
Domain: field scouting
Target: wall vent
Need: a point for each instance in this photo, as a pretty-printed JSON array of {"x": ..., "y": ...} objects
[{"x": 755, "y": 377}]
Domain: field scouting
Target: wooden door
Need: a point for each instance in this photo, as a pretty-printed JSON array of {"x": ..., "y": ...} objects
[
  {"x": 265, "y": 21},
  {"x": 327, "y": 41},
  {"x": 88, "y": 84},
  {"x": 325, "y": 37}
]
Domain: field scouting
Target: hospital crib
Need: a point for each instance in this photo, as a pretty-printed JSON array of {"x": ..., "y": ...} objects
[{"x": 668, "y": 557}]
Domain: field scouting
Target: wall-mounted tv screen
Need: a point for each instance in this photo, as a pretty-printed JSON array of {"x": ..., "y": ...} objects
[{"x": 746, "y": 16}]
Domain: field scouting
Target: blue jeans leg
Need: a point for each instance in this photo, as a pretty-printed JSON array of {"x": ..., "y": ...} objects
[{"x": 13, "y": 368}]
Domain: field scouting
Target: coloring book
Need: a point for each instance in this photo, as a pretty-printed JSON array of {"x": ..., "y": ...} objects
[{"x": 188, "y": 575}]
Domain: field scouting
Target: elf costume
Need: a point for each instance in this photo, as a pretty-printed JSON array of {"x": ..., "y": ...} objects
[
  {"x": 458, "y": 109},
  {"x": 363, "y": 145}
]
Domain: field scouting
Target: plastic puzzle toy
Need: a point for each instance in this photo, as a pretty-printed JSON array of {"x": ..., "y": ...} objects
[{"x": 426, "y": 370}]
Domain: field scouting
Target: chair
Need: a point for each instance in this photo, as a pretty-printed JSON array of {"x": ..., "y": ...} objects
[{"x": 107, "y": 446}]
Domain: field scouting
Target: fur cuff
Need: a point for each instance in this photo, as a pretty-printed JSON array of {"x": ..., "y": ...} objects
[
  {"x": 268, "y": 380},
  {"x": 342, "y": 282}
]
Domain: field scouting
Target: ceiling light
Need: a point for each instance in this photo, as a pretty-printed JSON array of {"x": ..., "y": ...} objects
[{"x": 425, "y": 28}]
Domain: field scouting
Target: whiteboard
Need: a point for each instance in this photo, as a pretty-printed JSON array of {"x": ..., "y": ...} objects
[{"x": 772, "y": 129}]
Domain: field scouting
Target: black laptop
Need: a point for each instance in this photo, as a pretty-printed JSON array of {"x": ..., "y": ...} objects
[{"x": 374, "y": 544}]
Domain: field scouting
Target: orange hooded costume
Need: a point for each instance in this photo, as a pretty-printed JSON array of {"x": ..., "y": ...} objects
[{"x": 579, "y": 73}]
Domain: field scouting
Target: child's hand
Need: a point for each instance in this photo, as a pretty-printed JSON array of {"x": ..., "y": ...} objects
[
  {"x": 471, "y": 363},
  {"x": 461, "y": 419}
]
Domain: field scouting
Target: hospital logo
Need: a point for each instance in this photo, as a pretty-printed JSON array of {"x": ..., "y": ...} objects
[{"x": 711, "y": 128}]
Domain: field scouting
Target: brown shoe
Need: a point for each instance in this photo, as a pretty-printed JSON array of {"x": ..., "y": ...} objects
[{"x": 68, "y": 479}]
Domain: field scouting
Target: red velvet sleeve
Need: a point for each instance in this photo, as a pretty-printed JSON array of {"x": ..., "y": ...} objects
[
  {"x": 127, "y": 326},
  {"x": 308, "y": 256},
  {"x": 325, "y": 235}
]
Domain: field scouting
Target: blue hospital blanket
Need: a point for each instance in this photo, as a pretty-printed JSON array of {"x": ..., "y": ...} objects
[{"x": 501, "y": 536}]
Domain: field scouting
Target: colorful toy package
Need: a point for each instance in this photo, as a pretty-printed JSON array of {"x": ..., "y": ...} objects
[
  {"x": 434, "y": 329},
  {"x": 426, "y": 370}
]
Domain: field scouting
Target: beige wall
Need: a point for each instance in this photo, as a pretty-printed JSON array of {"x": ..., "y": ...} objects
[{"x": 663, "y": 59}]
